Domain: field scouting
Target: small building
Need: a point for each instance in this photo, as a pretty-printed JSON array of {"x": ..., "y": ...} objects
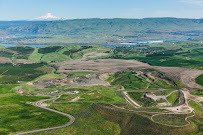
[{"x": 75, "y": 92}]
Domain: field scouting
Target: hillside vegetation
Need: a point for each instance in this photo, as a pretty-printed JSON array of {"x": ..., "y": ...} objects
[
  {"x": 186, "y": 54},
  {"x": 48, "y": 53},
  {"x": 17, "y": 113},
  {"x": 10, "y": 74},
  {"x": 199, "y": 80},
  {"x": 103, "y": 30}
]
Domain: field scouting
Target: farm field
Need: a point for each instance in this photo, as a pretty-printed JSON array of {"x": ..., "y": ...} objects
[
  {"x": 186, "y": 54},
  {"x": 13, "y": 74}
]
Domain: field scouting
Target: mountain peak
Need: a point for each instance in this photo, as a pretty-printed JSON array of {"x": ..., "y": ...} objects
[{"x": 48, "y": 16}]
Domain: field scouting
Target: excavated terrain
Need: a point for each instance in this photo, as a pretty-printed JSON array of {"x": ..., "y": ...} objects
[
  {"x": 187, "y": 76},
  {"x": 86, "y": 80}
]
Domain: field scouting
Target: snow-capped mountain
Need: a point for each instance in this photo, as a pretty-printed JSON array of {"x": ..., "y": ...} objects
[{"x": 48, "y": 17}]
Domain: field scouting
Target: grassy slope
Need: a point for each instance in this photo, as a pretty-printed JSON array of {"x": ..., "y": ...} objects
[
  {"x": 138, "y": 97},
  {"x": 196, "y": 106},
  {"x": 171, "y": 119},
  {"x": 35, "y": 56},
  {"x": 138, "y": 123},
  {"x": 88, "y": 121},
  {"x": 130, "y": 81},
  {"x": 198, "y": 118},
  {"x": 7, "y": 89},
  {"x": 58, "y": 52},
  {"x": 172, "y": 98},
  {"x": 199, "y": 80},
  {"x": 17, "y": 115},
  {"x": 197, "y": 92}
]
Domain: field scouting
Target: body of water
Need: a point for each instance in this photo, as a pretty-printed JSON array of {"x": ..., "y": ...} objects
[
  {"x": 165, "y": 40},
  {"x": 10, "y": 45}
]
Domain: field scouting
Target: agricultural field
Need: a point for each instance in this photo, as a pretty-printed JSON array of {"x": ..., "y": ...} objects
[
  {"x": 16, "y": 52},
  {"x": 186, "y": 54},
  {"x": 24, "y": 54},
  {"x": 13, "y": 74},
  {"x": 54, "y": 53}
]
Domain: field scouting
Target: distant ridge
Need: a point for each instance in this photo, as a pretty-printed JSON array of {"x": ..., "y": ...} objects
[
  {"x": 96, "y": 30},
  {"x": 116, "y": 25}
]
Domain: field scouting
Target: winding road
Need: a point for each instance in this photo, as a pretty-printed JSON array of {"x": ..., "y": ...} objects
[
  {"x": 129, "y": 99},
  {"x": 39, "y": 104}
]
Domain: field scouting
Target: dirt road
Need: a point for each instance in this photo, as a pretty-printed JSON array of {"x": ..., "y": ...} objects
[
  {"x": 39, "y": 104},
  {"x": 128, "y": 98}
]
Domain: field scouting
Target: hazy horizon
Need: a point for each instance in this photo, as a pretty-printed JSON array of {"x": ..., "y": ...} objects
[{"x": 106, "y": 9}]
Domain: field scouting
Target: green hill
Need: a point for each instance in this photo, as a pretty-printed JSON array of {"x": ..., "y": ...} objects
[{"x": 49, "y": 53}]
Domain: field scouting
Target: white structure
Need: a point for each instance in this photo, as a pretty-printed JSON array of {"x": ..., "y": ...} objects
[
  {"x": 75, "y": 92},
  {"x": 156, "y": 42}
]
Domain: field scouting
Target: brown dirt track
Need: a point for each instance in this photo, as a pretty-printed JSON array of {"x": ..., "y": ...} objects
[{"x": 187, "y": 76}]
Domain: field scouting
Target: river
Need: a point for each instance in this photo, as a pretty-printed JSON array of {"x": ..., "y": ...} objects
[{"x": 165, "y": 40}]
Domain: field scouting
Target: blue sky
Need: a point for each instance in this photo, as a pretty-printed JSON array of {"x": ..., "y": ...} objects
[{"x": 73, "y": 9}]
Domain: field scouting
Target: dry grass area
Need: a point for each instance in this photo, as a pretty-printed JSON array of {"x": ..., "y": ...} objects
[
  {"x": 4, "y": 60},
  {"x": 94, "y": 54},
  {"x": 187, "y": 76},
  {"x": 16, "y": 61}
]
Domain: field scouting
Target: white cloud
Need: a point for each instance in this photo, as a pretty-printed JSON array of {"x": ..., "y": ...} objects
[{"x": 194, "y": 2}]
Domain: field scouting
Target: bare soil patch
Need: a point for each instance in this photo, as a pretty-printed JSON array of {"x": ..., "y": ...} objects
[
  {"x": 187, "y": 76},
  {"x": 86, "y": 80},
  {"x": 8, "y": 105},
  {"x": 16, "y": 61},
  {"x": 101, "y": 65},
  {"x": 75, "y": 99},
  {"x": 4, "y": 60},
  {"x": 94, "y": 54}
]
